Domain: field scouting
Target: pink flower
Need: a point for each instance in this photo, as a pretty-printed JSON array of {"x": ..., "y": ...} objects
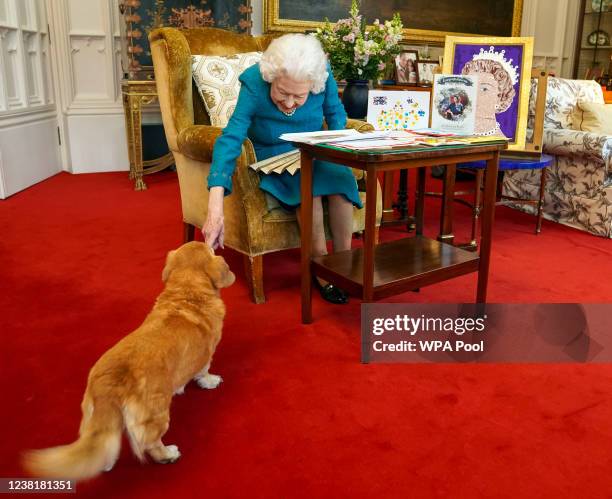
[{"x": 381, "y": 66}]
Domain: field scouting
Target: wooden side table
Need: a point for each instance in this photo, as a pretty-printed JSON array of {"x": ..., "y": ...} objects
[
  {"x": 378, "y": 271},
  {"x": 135, "y": 94}
]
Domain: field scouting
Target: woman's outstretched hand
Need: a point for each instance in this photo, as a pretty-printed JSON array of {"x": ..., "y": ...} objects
[{"x": 213, "y": 230}]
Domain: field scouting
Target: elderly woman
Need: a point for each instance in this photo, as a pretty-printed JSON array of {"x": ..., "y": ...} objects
[{"x": 292, "y": 89}]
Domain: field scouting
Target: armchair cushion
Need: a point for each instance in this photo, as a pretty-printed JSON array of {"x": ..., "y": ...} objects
[
  {"x": 562, "y": 97},
  {"x": 217, "y": 80}
]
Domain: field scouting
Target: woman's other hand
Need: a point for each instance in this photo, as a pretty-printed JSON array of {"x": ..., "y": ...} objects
[{"x": 213, "y": 230}]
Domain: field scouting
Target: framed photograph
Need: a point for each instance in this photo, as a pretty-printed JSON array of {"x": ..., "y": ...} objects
[
  {"x": 504, "y": 67},
  {"x": 424, "y": 20},
  {"x": 406, "y": 69},
  {"x": 427, "y": 70},
  {"x": 454, "y": 104}
]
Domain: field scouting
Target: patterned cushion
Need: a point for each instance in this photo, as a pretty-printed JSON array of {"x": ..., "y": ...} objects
[
  {"x": 217, "y": 81},
  {"x": 592, "y": 117},
  {"x": 562, "y": 97}
]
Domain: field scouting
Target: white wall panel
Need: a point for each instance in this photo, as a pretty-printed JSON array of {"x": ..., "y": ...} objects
[
  {"x": 553, "y": 23},
  {"x": 33, "y": 62},
  {"x": 11, "y": 48},
  {"x": 97, "y": 143},
  {"x": 41, "y": 15},
  {"x": 86, "y": 16},
  {"x": 4, "y": 12},
  {"x": 88, "y": 68},
  {"x": 29, "y": 154},
  {"x": 28, "y": 118},
  {"x": 46, "y": 73}
]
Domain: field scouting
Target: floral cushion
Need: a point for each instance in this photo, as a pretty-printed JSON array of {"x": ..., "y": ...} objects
[
  {"x": 217, "y": 80},
  {"x": 562, "y": 97},
  {"x": 592, "y": 117}
]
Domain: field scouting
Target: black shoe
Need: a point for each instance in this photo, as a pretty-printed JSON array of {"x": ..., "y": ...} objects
[{"x": 331, "y": 293}]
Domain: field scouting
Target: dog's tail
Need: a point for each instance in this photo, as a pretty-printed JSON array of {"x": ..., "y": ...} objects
[{"x": 96, "y": 450}]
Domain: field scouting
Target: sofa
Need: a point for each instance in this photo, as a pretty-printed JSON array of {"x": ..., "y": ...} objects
[{"x": 579, "y": 185}]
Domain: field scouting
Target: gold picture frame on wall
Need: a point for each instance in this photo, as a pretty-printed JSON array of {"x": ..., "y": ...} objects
[
  {"x": 510, "y": 60},
  {"x": 424, "y": 21}
]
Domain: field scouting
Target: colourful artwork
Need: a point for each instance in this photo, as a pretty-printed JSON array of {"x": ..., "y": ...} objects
[
  {"x": 141, "y": 16},
  {"x": 398, "y": 110},
  {"x": 504, "y": 64}
]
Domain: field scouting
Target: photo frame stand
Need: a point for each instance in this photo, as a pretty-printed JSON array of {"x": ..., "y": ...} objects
[{"x": 533, "y": 148}]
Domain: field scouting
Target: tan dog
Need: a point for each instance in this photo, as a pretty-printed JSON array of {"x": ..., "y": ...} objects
[{"x": 132, "y": 384}]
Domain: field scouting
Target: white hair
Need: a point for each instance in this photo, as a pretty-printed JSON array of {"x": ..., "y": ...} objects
[{"x": 298, "y": 56}]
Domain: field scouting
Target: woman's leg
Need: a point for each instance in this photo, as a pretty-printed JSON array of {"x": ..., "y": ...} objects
[
  {"x": 330, "y": 293},
  {"x": 319, "y": 246},
  {"x": 340, "y": 221}
]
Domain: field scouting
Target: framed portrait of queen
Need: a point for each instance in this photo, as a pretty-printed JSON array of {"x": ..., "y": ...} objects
[{"x": 503, "y": 66}]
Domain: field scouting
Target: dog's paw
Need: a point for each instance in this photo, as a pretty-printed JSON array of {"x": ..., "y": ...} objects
[
  {"x": 209, "y": 381},
  {"x": 180, "y": 390},
  {"x": 171, "y": 455}
]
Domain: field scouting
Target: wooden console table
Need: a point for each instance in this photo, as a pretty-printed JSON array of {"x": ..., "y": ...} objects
[
  {"x": 135, "y": 94},
  {"x": 378, "y": 271}
]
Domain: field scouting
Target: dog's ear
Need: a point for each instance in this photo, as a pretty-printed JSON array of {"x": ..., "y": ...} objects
[
  {"x": 169, "y": 265},
  {"x": 220, "y": 273}
]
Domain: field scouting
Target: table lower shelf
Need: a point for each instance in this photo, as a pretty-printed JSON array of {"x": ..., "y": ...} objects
[{"x": 399, "y": 266}]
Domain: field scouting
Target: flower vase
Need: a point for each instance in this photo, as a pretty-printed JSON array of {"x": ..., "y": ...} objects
[{"x": 355, "y": 98}]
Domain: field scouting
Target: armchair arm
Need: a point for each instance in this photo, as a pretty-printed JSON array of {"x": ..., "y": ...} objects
[
  {"x": 360, "y": 126},
  {"x": 591, "y": 146},
  {"x": 196, "y": 141}
]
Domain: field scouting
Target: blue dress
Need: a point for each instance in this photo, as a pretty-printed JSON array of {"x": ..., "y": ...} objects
[{"x": 258, "y": 118}]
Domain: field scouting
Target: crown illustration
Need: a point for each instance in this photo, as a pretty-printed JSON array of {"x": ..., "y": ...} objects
[{"x": 499, "y": 57}]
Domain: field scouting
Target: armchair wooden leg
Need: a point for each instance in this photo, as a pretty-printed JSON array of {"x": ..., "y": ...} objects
[
  {"x": 188, "y": 232},
  {"x": 253, "y": 270}
]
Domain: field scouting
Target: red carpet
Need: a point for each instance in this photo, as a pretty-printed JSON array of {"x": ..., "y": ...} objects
[{"x": 297, "y": 415}]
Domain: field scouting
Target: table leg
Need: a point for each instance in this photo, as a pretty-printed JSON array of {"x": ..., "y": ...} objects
[
  {"x": 387, "y": 215},
  {"x": 419, "y": 200},
  {"x": 136, "y": 118},
  {"x": 488, "y": 215},
  {"x": 543, "y": 174},
  {"x": 476, "y": 208},
  {"x": 306, "y": 235},
  {"x": 446, "y": 215},
  {"x": 402, "y": 195},
  {"x": 127, "y": 111},
  {"x": 369, "y": 244}
]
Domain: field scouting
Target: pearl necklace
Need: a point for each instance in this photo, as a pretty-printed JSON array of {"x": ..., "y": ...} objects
[
  {"x": 494, "y": 131},
  {"x": 290, "y": 113}
]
